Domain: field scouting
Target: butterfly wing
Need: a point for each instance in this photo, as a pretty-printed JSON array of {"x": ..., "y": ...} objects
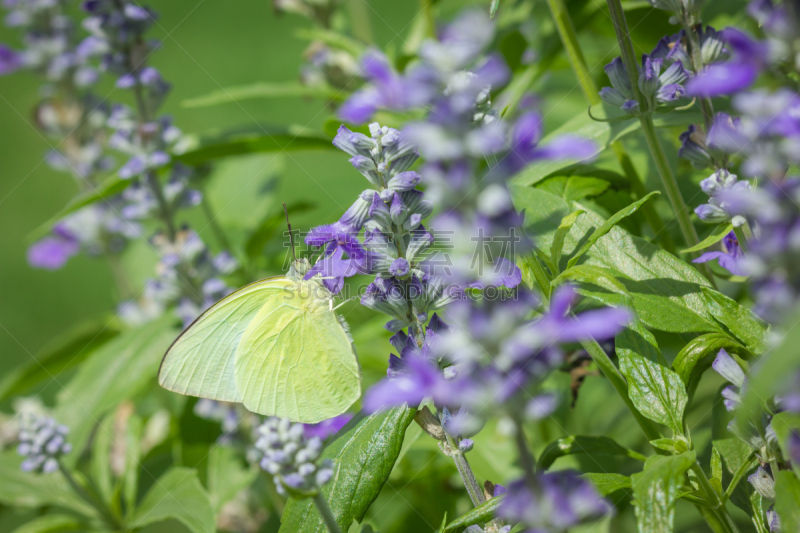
[
  {"x": 201, "y": 361},
  {"x": 296, "y": 360}
]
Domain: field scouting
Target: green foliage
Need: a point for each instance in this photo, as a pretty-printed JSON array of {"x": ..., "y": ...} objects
[
  {"x": 479, "y": 515},
  {"x": 227, "y": 476},
  {"x": 364, "y": 452},
  {"x": 260, "y": 90},
  {"x": 608, "y": 483},
  {"x": 574, "y": 188},
  {"x": 787, "y": 501},
  {"x": 716, "y": 235},
  {"x": 698, "y": 354},
  {"x": 177, "y": 494},
  {"x": 51, "y": 523},
  {"x": 589, "y": 445},
  {"x": 655, "y": 491}
]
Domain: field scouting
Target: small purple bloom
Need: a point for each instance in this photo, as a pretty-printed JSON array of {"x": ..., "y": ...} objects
[
  {"x": 729, "y": 259},
  {"x": 417, "y": 380},
  {"x": 728, "y": 368},
  {"x": 736, "y": 75},
  {"x": 9, "y": 60},
  {"x": 52, "y": 253},
  {"x": 326, "y": 428}
]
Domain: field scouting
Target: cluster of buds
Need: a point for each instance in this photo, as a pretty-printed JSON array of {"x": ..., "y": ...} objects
[
  {"x": 42, "y": 441},
  {"x": 291, "y": 458}
]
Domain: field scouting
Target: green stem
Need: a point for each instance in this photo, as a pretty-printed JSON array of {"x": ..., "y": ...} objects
[
  {"x": 325, "y": 512},
  {"x": 696, "y": 56},
  {"x": 105, "y": 512},
  {"x": 617, "y": 380},
  {"x": 713, "y": 498},
  {"x": 569, "y": 38},
  {"x": 470, "y": 482},
  {"x": 743, "y": 469},
  {"x": 360, "y": 22},
  {"x": 525, "y": 457}
]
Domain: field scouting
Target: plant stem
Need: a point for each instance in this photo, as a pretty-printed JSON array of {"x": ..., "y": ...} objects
[
  {"x": 105, "y": 512},
  {"x": 619, "y": 383},
  {"x": 737, "y": 477},
  {"x": 696, "y": 55},
  {"x": 648, "y": 128},
  {"x": 325, "y": 512},
  {"x": 360, "y": 21},
  {"x": 470, "y": 482},
  {"x": 713, "y": 498},
  {"x": 525, "y": 456},
  {"x": 569, "y": 38},
  {"x": 426, "y": 8}
]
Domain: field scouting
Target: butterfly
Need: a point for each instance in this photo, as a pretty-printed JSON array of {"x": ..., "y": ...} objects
[{"x": 277, "y": 346}]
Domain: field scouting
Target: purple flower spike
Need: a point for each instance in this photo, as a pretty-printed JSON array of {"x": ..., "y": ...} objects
[
  {"x": 730, "y": 259},
  {"x": 725, "y": 366}
]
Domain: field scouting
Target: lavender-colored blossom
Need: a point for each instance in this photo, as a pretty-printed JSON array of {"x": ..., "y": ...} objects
[
  {"x": 729, "y": 259},
  {"x": 729, "y": 369},
  {"x": 52, "y": 253},
  {"x": 748, "y": 59},
  {"x": 10, "y": 60},
  {"x": 326, "y": 428},
  {"x": 560, "y": 501},
  {"x": 42, "y": 441}
]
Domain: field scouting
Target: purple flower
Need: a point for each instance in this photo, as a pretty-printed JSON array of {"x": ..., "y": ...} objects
[
  {"x": 9, "y": 60},
  {"x": 729, "y": 259},
  {"x": 728, "y": 368},
  {"x": 338, "y": 239},
  {"x": 326, "y": 428},
  {"x": 416, "y": 379},
  {"x": 525, "y": 138},
  {"x": 562, "y": 501},
  {"x": 52, "y": 253},
  {"x": 736, "y": 75}
]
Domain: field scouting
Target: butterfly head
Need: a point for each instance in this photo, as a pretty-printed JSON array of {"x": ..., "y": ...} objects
[{"x": 299, "y": 268}]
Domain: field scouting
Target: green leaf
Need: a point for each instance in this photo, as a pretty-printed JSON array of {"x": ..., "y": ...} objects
[
  {"x": 261, "y": 90},
  {"x": 101, "y": 458},
  {"x": 716, "y": 470},
  {"x": 698, "y": 354},
  {"x": 61, "y": 354},
  {"x": 607, "y": 483},
  {"x": 607, "y": 225},
  {"x": 716, "y": 235},
  {"x": 758, "y": 515},
  {"x": 227, "y": 476},
  {"x": 133, "y": 455},
  {"x": 655, "y": 491},
  {"x": 561, "y": 232},
  {"x": 787, "y": 500},
  {"x": 656, "y": 391},
  {"x": 177, "y": 494},
  {"x": 574, "y": 188},
  {"x": 52, "y": 523},
  {"x": 364, "y": 452},
  {"x": 664, "y": 291},
  {"x": 602, "y": 133},
  {"x": 23, "y": 489},
  {"x": 784, "y": 424},
  {"x": 241, "y": 192},
  {"x": 635, "y": 338},
  {"x": 601, "y": 277},
  {"x": 589, "y": 445},
  {"x": 250, "y": 143},
  {"x": 741, "y": 321},
  {"x": 333, "y": 39},
  {"x": 735, "y": 453},
  {"x": 115, "y": 372},
  {"x": 110, "y": 187},
  {"x": 479, "y": 515}
]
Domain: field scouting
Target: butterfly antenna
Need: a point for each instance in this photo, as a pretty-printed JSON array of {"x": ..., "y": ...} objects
[{"x": 289, "y": 225}]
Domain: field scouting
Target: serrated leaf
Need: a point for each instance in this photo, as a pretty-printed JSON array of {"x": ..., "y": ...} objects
[
  {"x": 664, "y": 291},
  {"x": 24, "y": 489},
  {"x": 590, "y": 445},
  {"x": 177, "y": 494},
  {"x": 115, "y": 372},
  {"x": 261, "y": 90},
  {"x": 602, "y": 133},
  {"x": 574, "y": 188},
  {"x": 606, "y": 226},
  {"x": 655, "y": 491},
  {"x": 364, "y": 452},
  {"x": 62, "y": 353},
  {"x": 52, "y": 523},
  {"x": 656, "y": 391},
  {"x": 561, "y": 232},
  {"x": 741, "y": 321},
  {"x": 479, "y": 515},
  {"x": 607, "y": 483},
  {"x": 698, "y": 354},
  {"x": 787, "y": 500},
  {"x": 716, "y": 235},
  {"x": 227, "y": 475}
]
